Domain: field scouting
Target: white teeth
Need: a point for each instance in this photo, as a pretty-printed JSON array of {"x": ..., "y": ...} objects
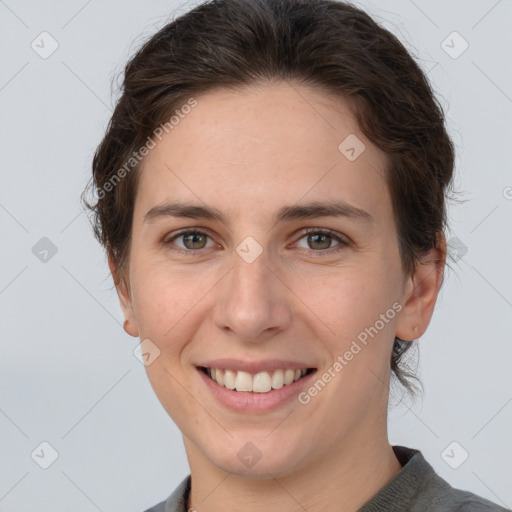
[
  {"x": 243, "y": 381},
  {"x": 218, "y": 377},
  {"x": 229, "y": 379},
  {"x": 262, "y": 382},
  {"x": 288, "y": 377},
  {"x": 278, "y": 379}
]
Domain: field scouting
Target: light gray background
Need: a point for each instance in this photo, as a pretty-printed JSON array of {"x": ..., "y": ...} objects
[{"x": 68, "y": 374}]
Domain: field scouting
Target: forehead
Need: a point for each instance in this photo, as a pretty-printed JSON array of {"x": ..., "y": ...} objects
[{"x": 258, "y": 148}]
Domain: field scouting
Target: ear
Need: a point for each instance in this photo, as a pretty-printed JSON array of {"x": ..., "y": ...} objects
[
  {"x": 420, "y": 293},
  {"x": 124, "y": 295}
]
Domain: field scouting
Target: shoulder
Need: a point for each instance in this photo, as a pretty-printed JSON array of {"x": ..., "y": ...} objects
[
  {"x": 160, "y": 507},
  {"x": 177, "y": 501},
  {"x": 428, "y": 492},
  {"x": 464, "y": 501}
]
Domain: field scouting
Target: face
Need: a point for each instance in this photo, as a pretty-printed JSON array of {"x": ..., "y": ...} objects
[{"x": 260, "y": 278}]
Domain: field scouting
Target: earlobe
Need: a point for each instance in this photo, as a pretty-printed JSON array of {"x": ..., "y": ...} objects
[
  {"x": 129, "y": 324},
  {"x": 420, "y": 293},
  {"x": 129, "y": 327},
  {"x": 123, "y": 293}
]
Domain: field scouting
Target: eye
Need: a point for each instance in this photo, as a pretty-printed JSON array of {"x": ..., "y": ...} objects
[
  {"x": 321, "y": 239},
  {"x": 192, "y": 239},
  {"x": 318, "y": 241}
]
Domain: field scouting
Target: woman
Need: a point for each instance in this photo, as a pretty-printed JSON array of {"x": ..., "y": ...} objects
[{"x": 271, "y": 196}]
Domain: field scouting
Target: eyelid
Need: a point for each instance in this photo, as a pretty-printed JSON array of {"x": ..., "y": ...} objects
[
  {"x": 170, "y": 237},
  {"x": 326, "y": 231},
  {"x": 175, "y": 234},
  {"x": 343, "y": 241}
]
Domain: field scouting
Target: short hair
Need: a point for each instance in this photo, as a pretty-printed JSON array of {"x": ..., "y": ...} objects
[{"x": 326, "y": 44}]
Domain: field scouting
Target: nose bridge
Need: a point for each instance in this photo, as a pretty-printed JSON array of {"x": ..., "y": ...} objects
[
  {"x": 251, "y": 265},
  {"x": 251, "y": 278},
  {"x": 252, "y": 284}
]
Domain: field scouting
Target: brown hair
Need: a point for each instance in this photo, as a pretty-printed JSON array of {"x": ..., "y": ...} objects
[{"x": 327, "y": 44}]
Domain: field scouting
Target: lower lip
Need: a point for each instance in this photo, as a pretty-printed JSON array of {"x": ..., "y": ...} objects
[{"x": 250, "y": 402}]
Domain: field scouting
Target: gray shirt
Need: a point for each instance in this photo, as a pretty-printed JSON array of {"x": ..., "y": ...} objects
[{"x": 416, "y": 488}]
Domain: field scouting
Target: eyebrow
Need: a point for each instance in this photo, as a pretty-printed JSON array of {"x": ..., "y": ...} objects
[{"x": 286, "y": 213}]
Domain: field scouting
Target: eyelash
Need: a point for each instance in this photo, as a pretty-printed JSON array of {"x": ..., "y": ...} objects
[{"x": 342, "y": 242}]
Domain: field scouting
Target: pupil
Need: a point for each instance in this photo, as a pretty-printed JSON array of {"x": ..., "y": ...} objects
[
  {"x": 193, "y": 238},
  {"x": 322, "y": 237}
]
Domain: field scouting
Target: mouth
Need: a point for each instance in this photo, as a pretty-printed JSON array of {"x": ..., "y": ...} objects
[{"x": 261, "y": 382}]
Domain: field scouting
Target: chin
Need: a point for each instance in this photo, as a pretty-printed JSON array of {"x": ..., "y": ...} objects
[{"x": 259, "y": 460}]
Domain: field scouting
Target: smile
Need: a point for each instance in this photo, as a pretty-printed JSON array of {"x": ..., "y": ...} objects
[{"x": 261, "y": 382}]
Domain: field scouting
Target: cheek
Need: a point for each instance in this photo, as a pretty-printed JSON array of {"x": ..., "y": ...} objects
[
  {"x": 166, "y": 312},
  {"x": 350, "y": 299},
  {"x": 162, "y": 300}
]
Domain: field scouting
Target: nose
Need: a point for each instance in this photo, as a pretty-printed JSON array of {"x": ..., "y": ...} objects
[{"x": 253, "y": 302}]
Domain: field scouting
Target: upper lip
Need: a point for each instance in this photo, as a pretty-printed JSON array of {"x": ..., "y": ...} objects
[{"x": 255, "y": 366}]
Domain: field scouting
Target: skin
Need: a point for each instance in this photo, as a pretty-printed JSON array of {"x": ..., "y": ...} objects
[{"x": 248, "y": 153}]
